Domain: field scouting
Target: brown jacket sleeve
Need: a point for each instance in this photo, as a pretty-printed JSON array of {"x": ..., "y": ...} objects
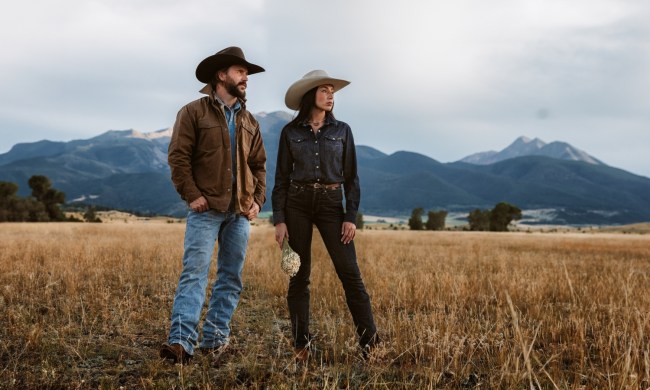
[
  {"x": 181, "y": 148},
  {"x": 257, "y": 164}
]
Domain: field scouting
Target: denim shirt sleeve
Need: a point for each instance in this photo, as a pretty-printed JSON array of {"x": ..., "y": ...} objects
[
  {"x": 351, "y": 178},
  {"x": 283, "y": 170}
]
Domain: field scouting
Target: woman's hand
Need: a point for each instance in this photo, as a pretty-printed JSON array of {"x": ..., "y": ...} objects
[
  {"x": 348, "y": 232},
  {"x": 281, "y": 233}
]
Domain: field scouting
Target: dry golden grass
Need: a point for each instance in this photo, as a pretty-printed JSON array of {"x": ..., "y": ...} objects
[
  {"x": 87, "y": 306},
  {"x": 636, "y": 228}
]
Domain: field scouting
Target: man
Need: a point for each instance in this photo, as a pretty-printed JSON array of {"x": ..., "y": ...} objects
[{"x": 217, "y": 162}]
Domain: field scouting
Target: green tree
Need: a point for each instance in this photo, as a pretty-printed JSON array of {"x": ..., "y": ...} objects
[
  {"x": 479, "y": 220},
  {"x": 90, "y": 215},
  {"x": 16, "y": 209},
  {"x": 7, "y": 190},
  {"x": 39, "y": 185},
  {"x": 436, "y": 220},
  {"x": 31, "y": 210},
  {"x": 501, "y": 216},
  {"x": 49, "y": 197},
  {"x": 27, "y": 210},
  {"x": 359, "y": 220},
  {"x": 415, "y": 222},
  {"x": 8, "y": 201}
]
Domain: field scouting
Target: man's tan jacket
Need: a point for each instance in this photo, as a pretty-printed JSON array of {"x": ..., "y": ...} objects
[{"x": 200, "y": 159}]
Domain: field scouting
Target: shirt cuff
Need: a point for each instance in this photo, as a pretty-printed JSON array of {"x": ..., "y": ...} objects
[
  {"x": 350, "y": 216},
  {"x": 278, "y": 217}
]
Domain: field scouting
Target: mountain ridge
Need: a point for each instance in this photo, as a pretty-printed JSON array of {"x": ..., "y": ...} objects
[
  {"x": 127, "y": 169},
  {"x": 524, "y": 146}
]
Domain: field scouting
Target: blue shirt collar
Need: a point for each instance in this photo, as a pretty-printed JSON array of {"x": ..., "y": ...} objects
[{"x": 236, "y": 107}]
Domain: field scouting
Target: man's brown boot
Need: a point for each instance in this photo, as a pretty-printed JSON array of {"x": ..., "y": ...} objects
[{"x": 175, "y": 352}]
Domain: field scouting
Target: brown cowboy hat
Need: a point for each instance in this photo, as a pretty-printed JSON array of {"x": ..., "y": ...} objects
[
  {"x": 222, "y": 59},
  {"x": 311, "y": 80}
]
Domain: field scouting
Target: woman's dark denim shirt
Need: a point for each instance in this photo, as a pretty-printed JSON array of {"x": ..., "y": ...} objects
[{"x": 327, "y": 157}]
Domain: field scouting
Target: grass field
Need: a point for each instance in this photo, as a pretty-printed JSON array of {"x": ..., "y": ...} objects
[{"x": 87, "y": 306}]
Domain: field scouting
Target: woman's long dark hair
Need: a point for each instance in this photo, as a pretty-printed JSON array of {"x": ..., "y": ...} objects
[{"x": 307, "y": 103}]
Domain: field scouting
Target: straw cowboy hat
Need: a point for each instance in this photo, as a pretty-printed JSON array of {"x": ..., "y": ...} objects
[
  {"x": 222, "y": 59},
  {"x": 311, "y": 80}
]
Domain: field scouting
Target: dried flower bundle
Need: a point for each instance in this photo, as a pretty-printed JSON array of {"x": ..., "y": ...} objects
[{"x": 290, "y": 260}]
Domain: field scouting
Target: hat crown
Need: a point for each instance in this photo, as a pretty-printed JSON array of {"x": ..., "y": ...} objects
[
  {"x": 318, "y": 73},
  {"x": 233, "y": 51}
]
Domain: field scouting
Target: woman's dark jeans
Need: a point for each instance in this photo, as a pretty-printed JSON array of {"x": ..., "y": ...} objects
[{"x": 324, "y": 208}]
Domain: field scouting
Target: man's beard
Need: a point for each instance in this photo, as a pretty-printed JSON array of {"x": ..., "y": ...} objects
[{"x": 231, "y": 88}]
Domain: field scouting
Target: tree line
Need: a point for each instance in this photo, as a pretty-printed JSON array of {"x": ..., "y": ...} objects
[
  {"x": 495, "y": 220},
  {"x": 44, "y": 204},
  {"x": 435, "y": 220}
]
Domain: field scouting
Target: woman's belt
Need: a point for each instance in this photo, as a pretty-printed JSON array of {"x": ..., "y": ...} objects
[{"x": 333, "y": 186}]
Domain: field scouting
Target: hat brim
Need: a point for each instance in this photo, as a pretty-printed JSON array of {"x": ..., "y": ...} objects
[
  {"x": 298, "y": 89},
  {"x": 209, "y": 66}
]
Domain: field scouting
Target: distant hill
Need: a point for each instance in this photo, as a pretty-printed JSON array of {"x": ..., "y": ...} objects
[
  {"x": 524, "y": 146},
  {"x": 128, "y": 170}
]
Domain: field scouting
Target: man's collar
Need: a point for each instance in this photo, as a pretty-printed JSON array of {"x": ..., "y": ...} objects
[
  {"x": 234, "y": 107},
  {"x": 207, "y": 90}
]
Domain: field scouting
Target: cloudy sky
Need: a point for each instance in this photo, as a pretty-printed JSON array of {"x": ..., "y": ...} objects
[{"x": 442, "y": 78}]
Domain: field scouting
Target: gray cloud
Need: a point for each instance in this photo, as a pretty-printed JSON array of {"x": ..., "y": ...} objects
[{"x": 441, "y": 78}]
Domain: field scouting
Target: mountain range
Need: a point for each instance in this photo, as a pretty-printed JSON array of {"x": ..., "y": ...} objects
[
  {"x": 524, "y": 146},
  {"x": 553, "y": 183}
]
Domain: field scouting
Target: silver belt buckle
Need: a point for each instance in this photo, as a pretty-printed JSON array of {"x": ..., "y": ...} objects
[{"x": 318, "y": 185}]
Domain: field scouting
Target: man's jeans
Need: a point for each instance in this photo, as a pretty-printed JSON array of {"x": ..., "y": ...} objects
[
  {"x": 324, "y": 208},
  {"x": 203, "y": 229}
]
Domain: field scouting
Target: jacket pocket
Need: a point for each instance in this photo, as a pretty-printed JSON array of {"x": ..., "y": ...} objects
[
  {"x": 249, "y": 128},
  {"x": 209, "y": 136}
]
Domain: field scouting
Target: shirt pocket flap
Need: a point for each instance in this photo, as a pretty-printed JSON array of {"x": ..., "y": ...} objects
[
  {"x": 210, "y": 135},
  {"x": 207, "y": 123},
  {"x": 249, "y": 128}
]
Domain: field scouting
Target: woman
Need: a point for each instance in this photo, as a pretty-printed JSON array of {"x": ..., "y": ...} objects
[{"x": 316, "y": 162}]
